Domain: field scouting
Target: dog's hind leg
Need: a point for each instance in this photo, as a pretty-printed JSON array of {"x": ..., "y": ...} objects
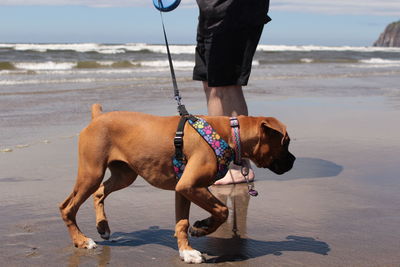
[
  {"x": 121, "y": 176},
  {"x": 87, "y": 182},
  {"x": 91, "y": 168}
]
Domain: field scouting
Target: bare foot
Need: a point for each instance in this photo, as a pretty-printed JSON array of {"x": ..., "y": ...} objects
[{"x": 234, "y": 175}]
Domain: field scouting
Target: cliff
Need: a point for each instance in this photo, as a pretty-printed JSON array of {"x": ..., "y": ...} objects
[{"x": 390, "y": 37}]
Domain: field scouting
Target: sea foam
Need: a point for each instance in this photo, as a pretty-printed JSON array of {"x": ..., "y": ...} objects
[
  {"x": 57, "y": 66},
  {"x": 380, "y": 62},
  {"x": 310, "y": 48},
  {"x": 49, "y": 65},
  {"x": 178, "y": 49},
  {"x": 100, "y": 48}
]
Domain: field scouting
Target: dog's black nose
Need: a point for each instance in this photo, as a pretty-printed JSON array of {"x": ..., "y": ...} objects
[{"x": 280, "y": 166}]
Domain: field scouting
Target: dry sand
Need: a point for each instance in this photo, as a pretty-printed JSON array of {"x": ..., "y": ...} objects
[{"x": 339, "y": 206}]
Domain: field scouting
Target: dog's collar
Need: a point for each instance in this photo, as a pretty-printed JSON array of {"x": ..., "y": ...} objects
[
  {"x": 236, "y": 140},
  {"x": 238, "y": 155}
]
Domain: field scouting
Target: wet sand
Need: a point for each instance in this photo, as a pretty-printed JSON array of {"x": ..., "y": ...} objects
[{"x": 339, "y": 206}]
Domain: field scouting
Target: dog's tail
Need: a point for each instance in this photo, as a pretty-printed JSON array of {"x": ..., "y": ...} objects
[{"x": 96, "y": 110}]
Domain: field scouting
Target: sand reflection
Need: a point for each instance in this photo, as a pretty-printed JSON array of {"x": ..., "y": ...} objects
[{"x": 80, "y": 257}]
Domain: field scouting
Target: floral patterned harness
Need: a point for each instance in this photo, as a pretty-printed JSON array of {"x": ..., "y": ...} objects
[{"x": 222, "y": 150}]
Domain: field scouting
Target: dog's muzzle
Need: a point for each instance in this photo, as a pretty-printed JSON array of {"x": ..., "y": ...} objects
[{"x": 280, "y": 166}]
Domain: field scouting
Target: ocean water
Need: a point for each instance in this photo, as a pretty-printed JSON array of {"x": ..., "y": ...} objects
[
  {"x": 46, "y": 89},
  {"x": 32, "y": 64}
]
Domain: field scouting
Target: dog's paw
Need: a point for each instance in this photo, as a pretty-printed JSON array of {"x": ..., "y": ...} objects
[
  {"x": 200, "y": 228},
  {"x": 105, "y": 236},
  {"x": 197, "y": 232},
  {"x": 103, "y": 229},
  {"x": 191, "y": 256},
  {"x": 90, "y": 244},
  {"x": 85, "y": 242}
]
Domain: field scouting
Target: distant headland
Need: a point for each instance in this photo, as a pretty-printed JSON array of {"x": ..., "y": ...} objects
[{"x": 390, "y": 37}]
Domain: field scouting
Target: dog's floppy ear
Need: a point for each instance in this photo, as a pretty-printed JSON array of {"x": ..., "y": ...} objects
[
  {"x": 271, "y": 131},
  {"x": 269, "y": 123}
]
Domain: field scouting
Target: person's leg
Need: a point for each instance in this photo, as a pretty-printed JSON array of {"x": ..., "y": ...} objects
[
  {"x": 225, "y": 100},
  {"x": 228, "y": 101}
]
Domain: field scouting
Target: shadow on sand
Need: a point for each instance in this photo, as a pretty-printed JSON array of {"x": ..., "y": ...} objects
[
  {"x": 229, "y": 243},
  {"x": 220, "y": 249},
  {"x": 303, "y": 168}
]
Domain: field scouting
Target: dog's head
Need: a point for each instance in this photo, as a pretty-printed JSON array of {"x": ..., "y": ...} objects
[{"x": 272, "y": 149}]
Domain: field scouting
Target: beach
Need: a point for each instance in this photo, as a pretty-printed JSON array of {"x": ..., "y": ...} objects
[{"x": 338, "y": 206}]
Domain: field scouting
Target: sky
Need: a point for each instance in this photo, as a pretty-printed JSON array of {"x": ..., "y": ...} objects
[{"x": 294, "y": 22}]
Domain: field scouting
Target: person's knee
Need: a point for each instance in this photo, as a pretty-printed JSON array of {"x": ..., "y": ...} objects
[{"x": 224, "y": 92}]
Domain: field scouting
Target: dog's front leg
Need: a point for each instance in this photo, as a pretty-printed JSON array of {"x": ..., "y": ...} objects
[
  {"x": 193, "y": 186},
  {"x": 219, "y": 212},
  {"x": 186, "y": 252}
]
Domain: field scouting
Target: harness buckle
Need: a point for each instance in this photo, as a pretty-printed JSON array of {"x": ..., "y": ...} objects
[
  {"x": 178, "y": 139},
  {"x": 234, "y": 122}
]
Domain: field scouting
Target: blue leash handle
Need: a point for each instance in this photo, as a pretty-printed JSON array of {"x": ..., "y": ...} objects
[{"x": 166, "y": 5}]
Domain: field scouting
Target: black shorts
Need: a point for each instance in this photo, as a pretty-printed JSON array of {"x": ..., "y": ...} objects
[{"x": 225, "y": 57}]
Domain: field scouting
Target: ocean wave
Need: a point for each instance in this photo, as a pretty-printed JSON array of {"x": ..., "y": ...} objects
[
  {"x": 7, "y": 66},
  {"x": 40, "y": 81},
  {"x": 306, "y": 60},
  {"x": 380, "y": 62},
  {"x": 165, "y": 64},
  {"x": 179, "y": 49},
  {"x": 83, "y": 48},
  {"x": 49, "y": 65},
  {"x": 143, "y": 80},
  {"x": 106, "y": 64},
  {"x": 101, "y": 48},
  {"x": 293, "y": 60},
  {"x": 310, "y": 48},
  {"x": 65, "y": 80},
  {"x": 56, "y": 66}
]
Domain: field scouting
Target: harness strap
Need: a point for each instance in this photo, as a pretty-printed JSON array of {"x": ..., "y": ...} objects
[
  {"x": 236, "y": 140},
  {"x": 178, "y": 139},
  {"x": 223, "y": 153}
]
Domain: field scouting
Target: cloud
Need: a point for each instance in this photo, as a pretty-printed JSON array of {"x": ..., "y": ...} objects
[{"x": 338, "y": 7}]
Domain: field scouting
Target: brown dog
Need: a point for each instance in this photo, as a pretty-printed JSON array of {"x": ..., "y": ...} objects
[{"x": 132, "y": 144}]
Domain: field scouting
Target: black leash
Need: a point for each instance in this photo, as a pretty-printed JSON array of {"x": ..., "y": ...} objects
[
  {"x": 181, "y": 108},
  {"x": 178, "y": 140}
]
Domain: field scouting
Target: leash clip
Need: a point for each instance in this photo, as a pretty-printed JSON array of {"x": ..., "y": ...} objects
[
  {"x": 178, "y": 99},
  {"x": 245, "y": 172}
]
